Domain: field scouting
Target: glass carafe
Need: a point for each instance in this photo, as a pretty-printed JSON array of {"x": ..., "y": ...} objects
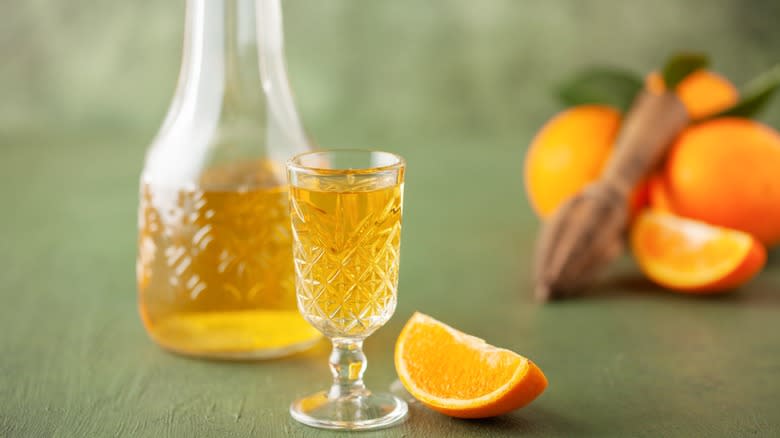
[{"x": 215, "y": 269}]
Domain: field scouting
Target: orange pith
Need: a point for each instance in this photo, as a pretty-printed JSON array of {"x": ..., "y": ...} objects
[
  {"x": 692, "y": 256},
  {"x": 460, "y": 375}
]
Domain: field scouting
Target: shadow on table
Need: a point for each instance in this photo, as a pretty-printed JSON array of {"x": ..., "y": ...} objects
[
  {"x": 760, "y": 292},
  {"x": 532, "y": 420}
]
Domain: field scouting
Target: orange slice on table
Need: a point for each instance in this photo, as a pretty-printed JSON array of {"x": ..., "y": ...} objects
[
  {"x": 692, "y": 256},
  {"x": 460, "y": 375}
]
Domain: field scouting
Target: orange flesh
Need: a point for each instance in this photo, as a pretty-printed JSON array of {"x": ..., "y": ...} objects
[
  {"x": 460, "y": 375},
  {"x": 688, "y": 255},
  {"x": 691, "y": 250},
  {"x": 457, "y": 363}
]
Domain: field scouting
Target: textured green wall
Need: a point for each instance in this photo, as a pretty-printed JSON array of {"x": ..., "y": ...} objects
[{"x": 404, "y": 68}]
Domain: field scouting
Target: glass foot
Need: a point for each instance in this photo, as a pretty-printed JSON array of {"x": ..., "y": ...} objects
[{"x": 353, "y": 412}]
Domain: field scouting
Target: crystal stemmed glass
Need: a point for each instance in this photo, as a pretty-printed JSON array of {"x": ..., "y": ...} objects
[{"x": 346, "y": 224}]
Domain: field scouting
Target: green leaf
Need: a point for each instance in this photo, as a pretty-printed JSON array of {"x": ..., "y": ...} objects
[
  {"x": 601, "y": 85},
  {"x": 756, "y": 95},
  {"x": 680, "y": 65}
]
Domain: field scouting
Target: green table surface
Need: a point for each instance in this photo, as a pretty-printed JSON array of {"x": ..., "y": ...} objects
[{"x": 459, "y": 91}]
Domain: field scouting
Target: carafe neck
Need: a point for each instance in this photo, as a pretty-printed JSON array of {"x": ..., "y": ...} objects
[
  {"x": 233, "y": 102},
  {"x": 227, "y": 44}
]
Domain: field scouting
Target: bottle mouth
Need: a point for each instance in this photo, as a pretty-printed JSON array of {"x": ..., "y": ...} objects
[{"x": 345, "y": 162}]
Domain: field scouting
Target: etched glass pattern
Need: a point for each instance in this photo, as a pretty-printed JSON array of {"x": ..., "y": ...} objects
[{"x": 346, "y": 253}]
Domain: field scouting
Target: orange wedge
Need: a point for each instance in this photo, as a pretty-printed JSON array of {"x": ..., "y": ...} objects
[
  {"x": 692, "y": 256},
  {"x": 460, "y": 375}
]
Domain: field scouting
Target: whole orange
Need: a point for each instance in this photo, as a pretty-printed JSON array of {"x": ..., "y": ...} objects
[
  {"x": 567, "y": 153},
  {"x": 727, "y": 172},
  {"x": 703, "y": 92}
]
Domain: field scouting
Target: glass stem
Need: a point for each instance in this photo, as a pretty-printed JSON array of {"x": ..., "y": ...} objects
[{"x": 347, "y": 364}]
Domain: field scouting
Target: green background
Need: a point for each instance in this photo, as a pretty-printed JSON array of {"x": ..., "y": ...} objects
[{"x": 458, "y": 88}]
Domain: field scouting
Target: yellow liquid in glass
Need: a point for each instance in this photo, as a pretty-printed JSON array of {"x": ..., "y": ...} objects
[
  {"x": 346, "y": 249},
  {"x": 215, "y": 269}
]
